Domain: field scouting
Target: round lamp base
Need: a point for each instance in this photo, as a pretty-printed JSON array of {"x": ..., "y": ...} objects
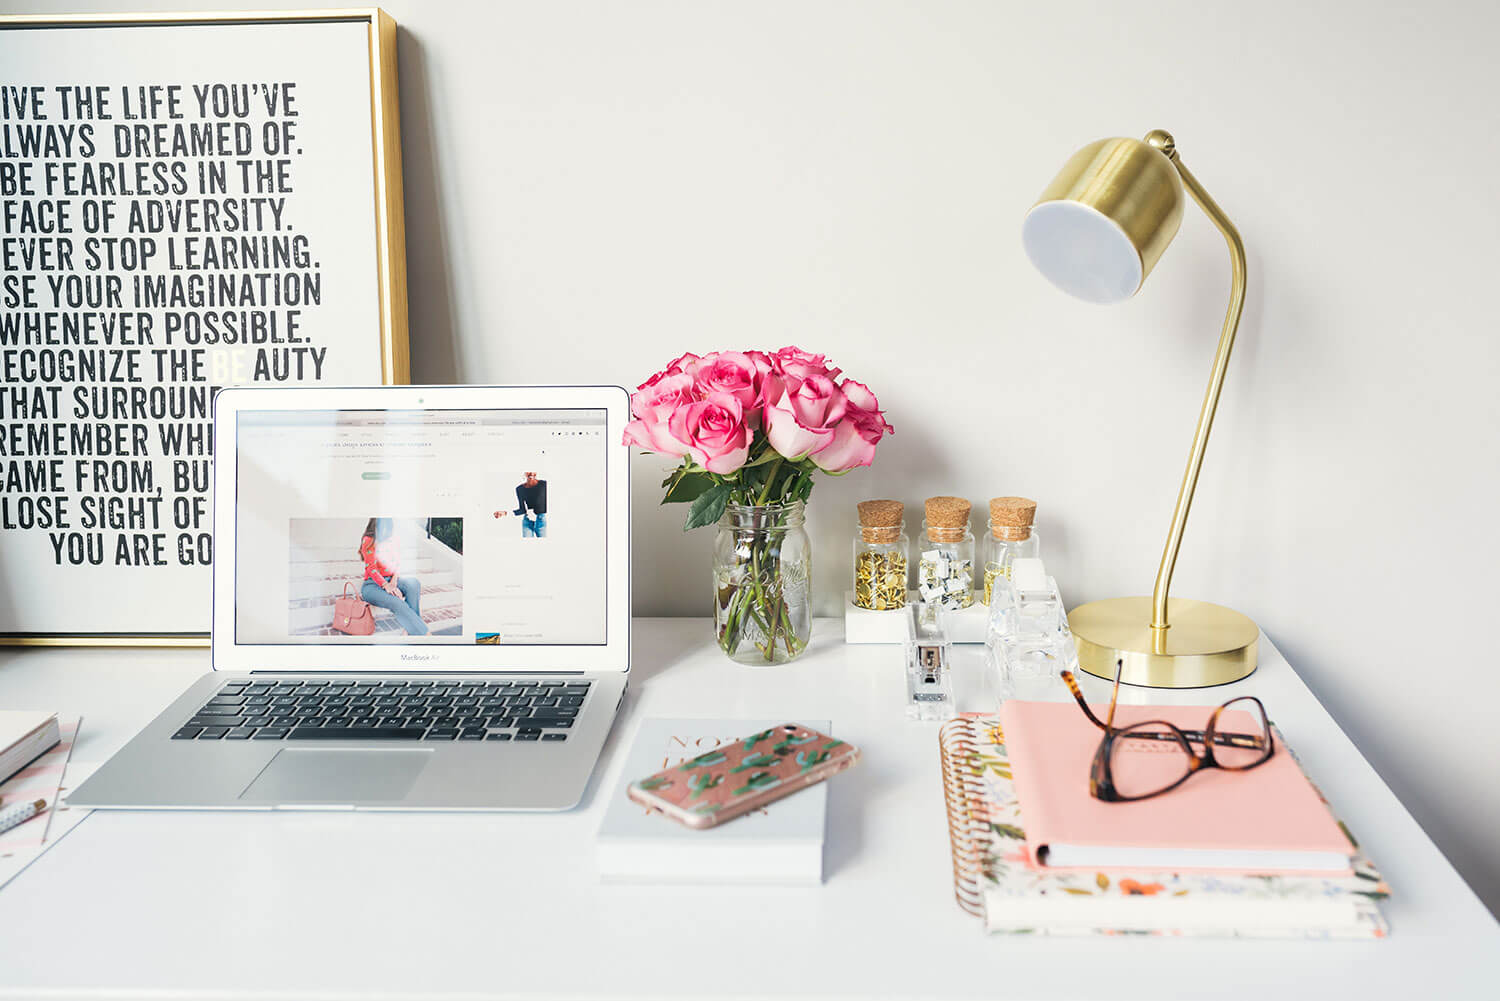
[{"x": 1205, "y": 644}]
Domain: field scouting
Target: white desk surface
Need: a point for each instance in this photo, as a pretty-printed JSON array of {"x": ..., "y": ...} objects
[{"x": 220, "y": 905}]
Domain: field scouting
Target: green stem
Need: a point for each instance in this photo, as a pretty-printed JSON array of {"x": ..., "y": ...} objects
[
  {"x": 775, "y": 619},
  {"x": 755, "y": 601},
  {"x": 770, "y": 480}
]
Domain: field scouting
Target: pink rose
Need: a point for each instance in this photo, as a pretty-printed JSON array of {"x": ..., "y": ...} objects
[
  {"x": 715, "y": 432},
  {"x": 666, "y": 375},
  {"x": 861, "y": 399},
  {"x": 854, "y": 439},
  {"x": 682, "y": 363},
  {"x": 763, "y": 363},
  {"x": 653, "y": 405},
  {"x": 805, "y": 361},
  {"x": 802, "y": 420},
  {"x": 735, "y": 374},
  {"x": 792, "y": 366}
]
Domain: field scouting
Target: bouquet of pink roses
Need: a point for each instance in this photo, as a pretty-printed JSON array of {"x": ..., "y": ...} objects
[{"x": 752, "y": 429}]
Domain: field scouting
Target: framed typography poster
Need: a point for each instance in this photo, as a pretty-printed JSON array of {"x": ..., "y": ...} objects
[{"x": 187, "y": 202}]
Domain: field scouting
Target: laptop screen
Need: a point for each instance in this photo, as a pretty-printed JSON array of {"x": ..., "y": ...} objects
[{"x": 421, "y": 527}]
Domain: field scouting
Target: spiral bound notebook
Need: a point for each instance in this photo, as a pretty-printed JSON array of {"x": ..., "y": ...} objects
[{"x": 993, "y": 879}]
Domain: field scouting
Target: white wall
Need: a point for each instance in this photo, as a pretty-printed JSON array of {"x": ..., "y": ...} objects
[{"x": 592, "y": 188}]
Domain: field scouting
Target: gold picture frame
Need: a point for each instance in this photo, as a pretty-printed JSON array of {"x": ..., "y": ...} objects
[{"x": 389, "y": 242}]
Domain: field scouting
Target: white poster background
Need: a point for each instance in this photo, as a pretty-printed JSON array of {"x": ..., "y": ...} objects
[{"x": 331, "y": 202}]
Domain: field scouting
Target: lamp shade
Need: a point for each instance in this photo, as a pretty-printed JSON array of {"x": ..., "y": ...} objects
[{"x": 1101, "y": 225}]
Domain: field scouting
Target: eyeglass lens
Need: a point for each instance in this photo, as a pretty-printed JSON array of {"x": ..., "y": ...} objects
[
  {"x": 1245, "y": 737},
  {"x": 1147, "y": 758}
]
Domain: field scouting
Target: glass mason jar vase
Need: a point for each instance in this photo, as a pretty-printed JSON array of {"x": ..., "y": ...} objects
[{"x": 763, "y": 583}]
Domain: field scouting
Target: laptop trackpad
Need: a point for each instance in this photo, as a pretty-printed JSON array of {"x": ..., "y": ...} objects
[{"x": 337, "y": 777}]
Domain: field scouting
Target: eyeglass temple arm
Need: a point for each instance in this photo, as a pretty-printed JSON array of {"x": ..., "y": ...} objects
[
  {"x": 1114, "y": 695},
  {"x": 1072, "y": 684}
]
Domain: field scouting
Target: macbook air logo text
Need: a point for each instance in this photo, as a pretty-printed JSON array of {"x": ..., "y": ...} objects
[{"x": 418, "y": 656}]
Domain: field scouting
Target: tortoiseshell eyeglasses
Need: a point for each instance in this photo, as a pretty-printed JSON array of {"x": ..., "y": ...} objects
[{"x": 1152, "y": 757}]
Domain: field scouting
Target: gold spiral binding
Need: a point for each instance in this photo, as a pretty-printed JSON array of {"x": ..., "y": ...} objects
[{"x": 968, "y": 825}]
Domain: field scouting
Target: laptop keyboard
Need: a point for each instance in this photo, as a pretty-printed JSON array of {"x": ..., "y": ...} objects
[{"x": 376, "y": 709}]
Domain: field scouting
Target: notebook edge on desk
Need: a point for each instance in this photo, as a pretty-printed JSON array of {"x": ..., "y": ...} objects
[{"x": 22, "y": 747}]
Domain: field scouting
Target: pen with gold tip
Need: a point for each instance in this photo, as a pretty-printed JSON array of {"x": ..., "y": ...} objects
[{"x": 20, "y": 813}]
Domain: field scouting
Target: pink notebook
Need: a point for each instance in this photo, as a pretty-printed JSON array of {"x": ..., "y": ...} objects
[{"x": 1265, "y": 820}]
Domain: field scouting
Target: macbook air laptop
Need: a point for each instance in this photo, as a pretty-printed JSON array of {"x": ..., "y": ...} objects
[{"x": 421, "y": 601}]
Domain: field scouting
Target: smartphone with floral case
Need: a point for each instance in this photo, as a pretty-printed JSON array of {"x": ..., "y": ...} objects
[{"x": 743, "y": 775}]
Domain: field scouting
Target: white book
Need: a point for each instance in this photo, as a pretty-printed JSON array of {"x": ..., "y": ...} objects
[
  {"x": 24, "y": 737},
  {"x": 780, "y": 844}
]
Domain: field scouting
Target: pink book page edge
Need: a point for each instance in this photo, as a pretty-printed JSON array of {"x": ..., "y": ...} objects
[{"x": 39, "y": 780}]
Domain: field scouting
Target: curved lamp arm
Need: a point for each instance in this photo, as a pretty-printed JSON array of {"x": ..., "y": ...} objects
[{"x": 1159, "y": 623}]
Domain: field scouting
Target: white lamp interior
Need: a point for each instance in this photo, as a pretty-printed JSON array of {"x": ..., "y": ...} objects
[{"x": 1082, "y": 252}]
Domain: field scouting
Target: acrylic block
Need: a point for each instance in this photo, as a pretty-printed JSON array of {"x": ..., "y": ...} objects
[{"x": 967, "y": 625}]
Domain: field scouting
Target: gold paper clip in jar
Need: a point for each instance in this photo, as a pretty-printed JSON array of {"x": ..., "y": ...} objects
[{"x": 880, "y": 556}]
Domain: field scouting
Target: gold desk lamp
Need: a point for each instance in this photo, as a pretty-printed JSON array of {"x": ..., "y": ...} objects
[{"x": 1096, "y": 232}]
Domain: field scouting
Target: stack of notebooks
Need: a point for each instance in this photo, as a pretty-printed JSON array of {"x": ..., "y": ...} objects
[
  {"x": 35, "y": 764},
  {"x": 1246, "y": 854},
  {"x": 24, "y": 737}
]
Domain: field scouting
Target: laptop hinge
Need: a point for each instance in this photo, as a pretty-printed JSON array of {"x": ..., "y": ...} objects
[{"x": 413, "y": 674}]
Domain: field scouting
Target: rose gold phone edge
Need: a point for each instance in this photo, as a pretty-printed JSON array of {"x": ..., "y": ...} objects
[{"x": 703, "y": 821}]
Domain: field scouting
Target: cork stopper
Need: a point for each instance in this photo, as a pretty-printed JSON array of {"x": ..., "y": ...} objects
[
  {"x": 1011, "y": 517},
  {"x": 880, "y": 520},
  {"x": 947, "y": 518}
]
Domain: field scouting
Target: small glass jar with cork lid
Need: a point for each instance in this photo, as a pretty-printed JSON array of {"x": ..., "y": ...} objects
[
  {"x": 1010, "y": 537},
  {"x": 880, "y": 548},
  {"x": 945, "y": 573}
]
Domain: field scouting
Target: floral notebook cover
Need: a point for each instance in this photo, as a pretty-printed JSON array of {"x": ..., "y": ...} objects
[{"x": 1013, "y": 896}]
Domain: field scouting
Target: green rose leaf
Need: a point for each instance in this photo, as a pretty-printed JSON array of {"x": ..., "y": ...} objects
[
  {"x": 708, "y": 507},
  {"x": 686, "y": 487},
  {"x": 769, "y": 455}
]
